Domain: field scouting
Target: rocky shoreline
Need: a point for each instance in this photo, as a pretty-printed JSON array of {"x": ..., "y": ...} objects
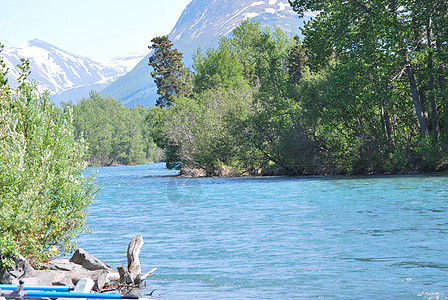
[{"x": 63, "y": 271}]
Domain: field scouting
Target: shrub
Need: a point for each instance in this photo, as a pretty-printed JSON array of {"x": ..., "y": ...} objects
[{"x": 43, "y": 193}]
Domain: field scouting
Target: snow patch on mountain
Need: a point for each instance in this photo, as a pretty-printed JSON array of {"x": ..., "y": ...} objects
[
  {"x": 201, "y": 24},
  {"x": 251, "y": 15},
  {"x": 122, "y": 64},
  {"x": 57, "y": 71}
]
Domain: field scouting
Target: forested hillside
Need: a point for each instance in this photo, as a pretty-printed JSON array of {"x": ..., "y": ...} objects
[{"x": 365, "y": 92}]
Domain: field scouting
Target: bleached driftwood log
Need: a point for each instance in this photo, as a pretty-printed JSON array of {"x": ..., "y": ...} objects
[{"x": 132, "y": 275}]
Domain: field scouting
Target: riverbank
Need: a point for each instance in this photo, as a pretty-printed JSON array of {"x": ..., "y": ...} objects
[
  {"x": 62, "y": 271},
  {"x": 82, "y": 265},
  {"x": 227, "y": 172}
]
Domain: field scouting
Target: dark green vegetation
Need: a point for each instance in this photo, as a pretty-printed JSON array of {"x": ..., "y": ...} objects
[
  {"x": 114, "y": 134},
  {"x": 366, "y": 92},
  {"x": 386, "y": 67},
  {"x": 43, "y": 193},
  {"x": 170, "y": 75}
]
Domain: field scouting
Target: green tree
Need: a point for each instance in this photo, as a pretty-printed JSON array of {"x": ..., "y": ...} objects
[
  {"x": 170, "y": 75},
  {"x": 296, "y": 61},
  {"x": 390, "y": 61},
  {"x": 217, "y": 68},
  {"x": 152, "y": 153},
  {"x": 158, "y": 118},
  {"x": 204, "y": 132},
  {"x": 114, "y": 133},
  {"x": 243, "y": 41},
  {"x": 43, "y": 193},
  {"x": 273, "y": 64}
]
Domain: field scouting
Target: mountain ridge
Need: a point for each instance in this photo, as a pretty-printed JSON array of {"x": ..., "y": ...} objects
[
  {"x": 202, "y": 23},
  {"x": 69, "y": 76},
  {"x": 65, "y": 73}
]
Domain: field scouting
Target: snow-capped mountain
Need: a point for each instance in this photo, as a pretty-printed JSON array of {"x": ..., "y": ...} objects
[
  {"x": 122, "y": 64},
  {"x": 63, "y": 73},
  {"x": 204, "y": 21},
  {"x": 68, "y": 76},
  {"x": 201, "y": 24}
]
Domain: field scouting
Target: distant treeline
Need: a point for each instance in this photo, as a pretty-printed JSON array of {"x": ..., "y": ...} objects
[
  {"x": 113, "y": 133},
  {"x": 366, "y": 91}
]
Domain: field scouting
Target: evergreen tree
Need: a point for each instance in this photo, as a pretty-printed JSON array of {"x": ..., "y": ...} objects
[
  {"x": 296, "y": 61},
  {"x": 170, "y": 75}
]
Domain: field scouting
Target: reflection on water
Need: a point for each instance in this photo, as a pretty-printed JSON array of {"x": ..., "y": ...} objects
[{"x": 183, "y": 192}]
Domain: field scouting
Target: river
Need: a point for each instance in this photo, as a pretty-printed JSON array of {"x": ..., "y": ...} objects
[{"x": 383, "y": 237}]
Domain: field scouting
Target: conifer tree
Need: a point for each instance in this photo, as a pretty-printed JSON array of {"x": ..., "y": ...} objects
[{"x": 170, "y": 75}]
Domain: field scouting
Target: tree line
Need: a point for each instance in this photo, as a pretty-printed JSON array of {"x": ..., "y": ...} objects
[
  {"x": 366, "y": 91},
  {"x": 114, "y": 134}
]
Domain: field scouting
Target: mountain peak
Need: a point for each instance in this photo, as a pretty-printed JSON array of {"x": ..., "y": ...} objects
[
  {"x": 38, "y": 42},
  {"x": 57, "y": 70},
  {"x": 34, "y": 43},
  {"x": 207, "y": 20},
  {"x": 201, "y": 24}
]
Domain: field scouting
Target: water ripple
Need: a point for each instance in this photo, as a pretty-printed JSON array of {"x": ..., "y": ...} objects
[{"x": 276, "y": 237}]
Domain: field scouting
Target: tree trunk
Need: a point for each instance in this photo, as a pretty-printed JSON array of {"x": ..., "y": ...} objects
[
  {"x": 385, "y": 120},
  {"x": 134, "y": 266},
  {"x": 416, "y": 99},
  {"x": 441, "y": 71},
  {"x": 133, "y": 274},
  {"x": 434, "y": 115}
]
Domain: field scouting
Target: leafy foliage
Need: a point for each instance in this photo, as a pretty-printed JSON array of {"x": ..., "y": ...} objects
[
  {"x": 114, "y": 134},
  {"x": 200, "y": 132},
  {"x": 43, "y": 193},
  {"x": 382, "y": 59},
  {"x": 218, "y": 68},
  {"x": 365, "y": 92}
]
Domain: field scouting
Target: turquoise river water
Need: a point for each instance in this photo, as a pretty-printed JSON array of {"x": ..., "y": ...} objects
[{"x": 380, "y": 237}]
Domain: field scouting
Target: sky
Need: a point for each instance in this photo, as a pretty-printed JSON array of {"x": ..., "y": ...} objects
[{"x": 91, "y": 28}]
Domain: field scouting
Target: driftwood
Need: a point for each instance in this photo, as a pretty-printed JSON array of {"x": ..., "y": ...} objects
[
  {"x": 134, "y": 266},
  {"x": 132, "y": 275}
]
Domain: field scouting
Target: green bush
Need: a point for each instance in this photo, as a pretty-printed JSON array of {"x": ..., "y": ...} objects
[
  {"x": 43, "y": 193},
  {"x": 200, "y": 133}
]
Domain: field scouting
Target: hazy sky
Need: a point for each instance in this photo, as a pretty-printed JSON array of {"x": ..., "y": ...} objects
[{"x": 92, "y": 28}]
